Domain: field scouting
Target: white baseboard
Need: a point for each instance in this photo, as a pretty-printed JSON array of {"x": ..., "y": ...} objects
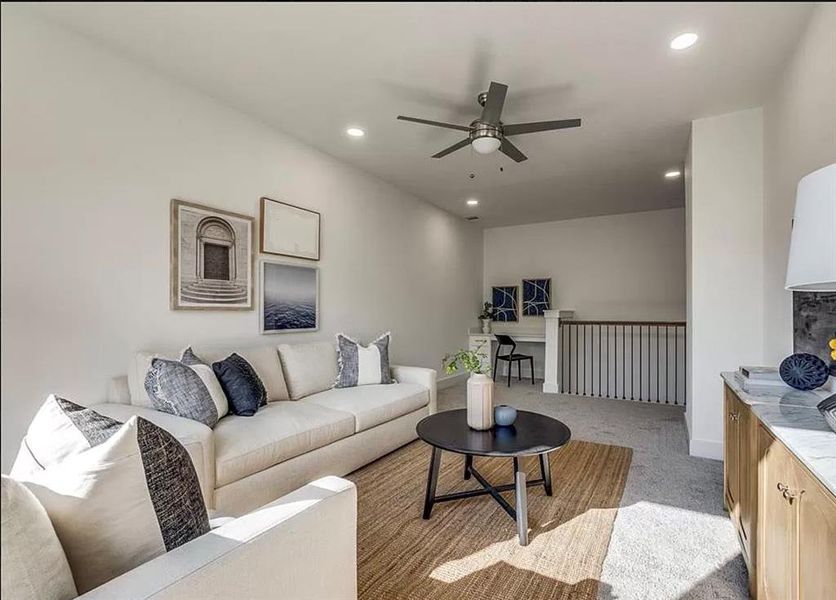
[
  {"x": 706, "y": 449},
  {"x": 450, "y": 380}
]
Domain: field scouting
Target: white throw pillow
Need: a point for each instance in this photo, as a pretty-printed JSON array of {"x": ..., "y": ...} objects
[
  {"x": 308, "y": 368},
  {"x": 362, "y": 365},
  {"x": 122, "y": 503},
  {"x": 60, "y": 429},
  {"x": 34, "y": 566}
]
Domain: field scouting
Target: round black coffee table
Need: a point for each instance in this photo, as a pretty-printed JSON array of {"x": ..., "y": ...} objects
[{"x": 531, "y": 434}]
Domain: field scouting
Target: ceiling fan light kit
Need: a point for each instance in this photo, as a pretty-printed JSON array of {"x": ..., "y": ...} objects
[{"x": 488, "y": 134}]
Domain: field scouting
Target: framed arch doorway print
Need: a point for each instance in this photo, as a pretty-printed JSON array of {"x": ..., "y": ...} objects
[{"x": 211, "y": 258}]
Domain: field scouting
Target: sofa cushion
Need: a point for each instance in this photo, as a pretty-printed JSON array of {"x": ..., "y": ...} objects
[
  {"x": 308, "y": 368},
  {"x": 276, "y": 433},
  {"x": 137, "y": 370},
  {"x": 34, "y": 566},
  {"x": 373, "y": 404}
]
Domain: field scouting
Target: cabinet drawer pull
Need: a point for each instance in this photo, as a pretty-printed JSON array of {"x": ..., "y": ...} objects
[
  {"x": 790, "y": 495},
  {"x": 734, "y": 416},
  {"x": 783, "y": 488}
]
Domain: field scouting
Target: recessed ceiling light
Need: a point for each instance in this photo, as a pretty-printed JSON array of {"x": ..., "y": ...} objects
[
  {"x": 684, "y": 40},
  {"x": 355, "y": 132},
  {"x": 473, "y": 202},
  {"x": 672, "y": 174}
]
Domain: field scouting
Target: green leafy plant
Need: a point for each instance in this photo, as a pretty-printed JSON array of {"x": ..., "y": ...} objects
[
  {"x": 468, "y": 360},
  {"x": 487, "y": 311}
]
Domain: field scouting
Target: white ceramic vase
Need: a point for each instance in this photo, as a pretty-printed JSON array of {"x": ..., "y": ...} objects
[
  {"x": 480, "y": 402},
  {"x": 486, "y": 325}
]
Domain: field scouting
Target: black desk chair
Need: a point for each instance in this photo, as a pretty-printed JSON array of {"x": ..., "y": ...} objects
[{"x": 511, "y": 357}]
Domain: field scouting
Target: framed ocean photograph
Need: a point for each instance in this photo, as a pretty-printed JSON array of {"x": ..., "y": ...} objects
[
  {"x": 504, "y": 298},
  {"x": 211, "y": 258},
  {"x": 536, "y": 297},
  {"x": 289, "y": 230},
  {"x": 289, "y": 297}
]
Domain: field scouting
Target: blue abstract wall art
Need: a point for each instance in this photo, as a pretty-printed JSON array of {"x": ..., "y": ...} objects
[
  {"x": 536, "y": 296},
  {"x": 504, "y": 298},
  {"x": 290, "y": 299}
]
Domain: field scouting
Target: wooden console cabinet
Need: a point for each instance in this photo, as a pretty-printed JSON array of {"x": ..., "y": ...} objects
[
  {"x": 740, "y": 469},
  {"x": 785, "y": 518}
]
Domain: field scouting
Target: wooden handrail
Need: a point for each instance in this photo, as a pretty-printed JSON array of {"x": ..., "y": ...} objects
[{"x": 635, "y": 323}]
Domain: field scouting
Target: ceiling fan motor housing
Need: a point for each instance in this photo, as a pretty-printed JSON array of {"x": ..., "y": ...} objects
[{"x": 482, "y": 130}]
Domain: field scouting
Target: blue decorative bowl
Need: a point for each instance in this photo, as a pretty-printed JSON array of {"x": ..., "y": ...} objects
[
  {"x": 504, "y": 415},
  {"x": 803, "y": 371}
]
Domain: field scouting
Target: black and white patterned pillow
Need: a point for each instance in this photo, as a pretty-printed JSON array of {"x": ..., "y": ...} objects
[
  {"x": 122, "y": 502},
  {"x": 187, "y": 388},
  {"x": 362, "y": 365},
  {"x": 60, "y": 429},
  {"x": 241, "y": 384}
]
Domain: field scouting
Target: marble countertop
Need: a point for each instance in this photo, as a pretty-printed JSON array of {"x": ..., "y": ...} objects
[
  {"x": 792, "y": 417},
  {"x": 773, "y": 394}
]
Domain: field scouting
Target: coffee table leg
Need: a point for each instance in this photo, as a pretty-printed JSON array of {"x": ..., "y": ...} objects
[
  {"x": 468, "y": 462},
  {"x": 432, "y": 480},
  {"x": 522, "y": 503},
  {"x": 546, "y": 470}
]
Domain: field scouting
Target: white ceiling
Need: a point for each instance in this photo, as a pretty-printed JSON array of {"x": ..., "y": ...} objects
[{"x": 314, "y": 69}]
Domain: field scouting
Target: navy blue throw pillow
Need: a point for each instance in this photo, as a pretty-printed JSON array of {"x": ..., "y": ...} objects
[{"x": 241, "y": 384}]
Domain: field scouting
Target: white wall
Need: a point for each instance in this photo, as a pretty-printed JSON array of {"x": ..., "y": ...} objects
[
  {"x": 618, "y": 267},
  {"x": 93, "y": 149},
  {"x": 725, "y": 225},
  {"x": 799, "y": 137}
]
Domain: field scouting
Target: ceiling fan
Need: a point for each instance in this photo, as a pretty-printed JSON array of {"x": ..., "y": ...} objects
[{"x": 487, "y": 133}]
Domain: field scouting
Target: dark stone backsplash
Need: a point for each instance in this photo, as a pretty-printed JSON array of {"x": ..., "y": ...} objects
[{"x": 814, "y": 324}]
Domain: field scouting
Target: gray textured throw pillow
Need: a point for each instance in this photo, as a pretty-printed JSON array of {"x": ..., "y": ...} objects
[
  {"x": 187, "y": 388},
  {"x": 362, "y": 365}
]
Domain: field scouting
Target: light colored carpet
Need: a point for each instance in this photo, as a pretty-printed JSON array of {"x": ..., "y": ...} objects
[
  {"x": 468, "y": 549},
  {"x": 671, "y": 538}
]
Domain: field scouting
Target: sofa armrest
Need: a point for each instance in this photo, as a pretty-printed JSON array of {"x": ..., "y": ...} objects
[
  {"x": 302, "y": 546},
  {"x": 421, "y": 376},
  {"x": 195, "y": 436}
]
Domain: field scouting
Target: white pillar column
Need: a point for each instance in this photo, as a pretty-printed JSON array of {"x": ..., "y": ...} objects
[{"x": 551, "y": 377}]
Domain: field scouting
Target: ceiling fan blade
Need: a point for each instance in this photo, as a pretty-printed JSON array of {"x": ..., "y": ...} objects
[
  {"x": 494, "y": 103},
  {"x": 540, "y": 126},
  {"x": 511, "y": 151},
  {"x": 453, "y": 148},
  {"x": 434, "y": 123}
]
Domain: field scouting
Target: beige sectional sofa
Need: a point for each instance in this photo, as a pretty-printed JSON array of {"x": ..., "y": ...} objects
[{"x": 306, "y": 431}]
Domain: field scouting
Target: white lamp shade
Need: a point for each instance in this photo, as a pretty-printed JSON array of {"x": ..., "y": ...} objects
[
  {"x": 812, "y": 262},
  {"x": 486, "y": 145}
]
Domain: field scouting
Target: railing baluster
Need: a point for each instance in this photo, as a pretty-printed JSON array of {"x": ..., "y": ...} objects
[
  {"x": 676, "y": 365},
  {"x": 667, "y": 389},
  {"x": 584, "y": 360},
  {"x": 657, "y": 364},
  {"x": 640, "y": 363}
]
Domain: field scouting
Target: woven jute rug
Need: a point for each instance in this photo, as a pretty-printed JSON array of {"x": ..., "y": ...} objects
[{"x": 468, "y": 549}]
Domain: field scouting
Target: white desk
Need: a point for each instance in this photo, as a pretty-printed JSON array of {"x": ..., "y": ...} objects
[{"x": 549, "y": 336}]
